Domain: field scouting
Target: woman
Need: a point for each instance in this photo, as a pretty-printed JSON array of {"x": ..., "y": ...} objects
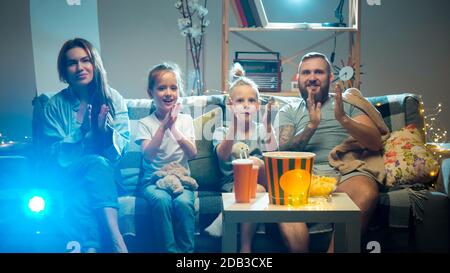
[{"x": 86, "y": 130}]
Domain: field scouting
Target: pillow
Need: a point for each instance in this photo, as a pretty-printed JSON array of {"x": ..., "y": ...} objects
[
  {"x": 406, "y": 159},
  {"x": 204, "y": 167},
  {"x": 204, "y": 127}
]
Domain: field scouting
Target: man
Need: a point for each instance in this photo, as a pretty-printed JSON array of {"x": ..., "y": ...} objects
[{"x": 317, "y": 124}]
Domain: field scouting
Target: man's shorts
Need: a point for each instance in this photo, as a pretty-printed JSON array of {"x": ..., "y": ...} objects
[{"x": 314, "y": 228}]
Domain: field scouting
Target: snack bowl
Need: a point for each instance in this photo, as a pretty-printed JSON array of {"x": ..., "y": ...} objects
[{"x": 324, "y": 183}]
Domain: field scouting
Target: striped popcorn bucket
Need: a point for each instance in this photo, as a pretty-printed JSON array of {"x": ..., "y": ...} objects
[{"x": 289, "y": 177}]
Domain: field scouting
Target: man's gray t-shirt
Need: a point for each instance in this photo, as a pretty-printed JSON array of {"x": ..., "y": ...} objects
[
  {"x": 328, "y": 135},
  {"x": 330, "y": 132}
]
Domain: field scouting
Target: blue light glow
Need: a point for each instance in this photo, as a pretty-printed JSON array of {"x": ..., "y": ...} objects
[{"x": 36, "y": 204}]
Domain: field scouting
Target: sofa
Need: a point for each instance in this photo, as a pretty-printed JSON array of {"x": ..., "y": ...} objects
[{"x": 427, "y": 228}]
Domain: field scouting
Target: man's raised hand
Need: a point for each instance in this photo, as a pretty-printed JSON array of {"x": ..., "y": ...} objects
[
  {"x": 339, "y": 112},
  {"x": 314, "y": 110}
]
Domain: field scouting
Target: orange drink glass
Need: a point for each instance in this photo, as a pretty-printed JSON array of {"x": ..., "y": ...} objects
[
  {"x": 253, "y": 181},
  {"x": 242, "y": 169}
]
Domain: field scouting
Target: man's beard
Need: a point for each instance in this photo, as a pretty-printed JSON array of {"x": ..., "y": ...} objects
[{"x": 322, "y": 96}]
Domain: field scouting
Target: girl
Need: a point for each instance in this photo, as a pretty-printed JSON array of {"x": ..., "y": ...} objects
[
  {"x": 166, "y": 136},
  {"x": 244, "y": 106},
  {"x": 86, "y": 130}
]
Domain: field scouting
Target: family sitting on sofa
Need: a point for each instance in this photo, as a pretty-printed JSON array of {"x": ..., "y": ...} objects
[{"x": 86, "y": 132}]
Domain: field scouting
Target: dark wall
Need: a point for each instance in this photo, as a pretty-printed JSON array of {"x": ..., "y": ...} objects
[
  {"x": 406, "y": 47},
  {"x": 17, "y": 80}
]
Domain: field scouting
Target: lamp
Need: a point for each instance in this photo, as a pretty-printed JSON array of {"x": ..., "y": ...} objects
[{"x": 338, "y": 14}]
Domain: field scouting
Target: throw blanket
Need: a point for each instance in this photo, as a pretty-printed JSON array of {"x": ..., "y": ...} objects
[
  {"x": 405, "y": 200},
  {"x": 350, "y": 155}
]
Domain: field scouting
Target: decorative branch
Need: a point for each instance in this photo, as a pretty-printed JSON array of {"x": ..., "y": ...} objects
[{"x": 191, "y": 11}]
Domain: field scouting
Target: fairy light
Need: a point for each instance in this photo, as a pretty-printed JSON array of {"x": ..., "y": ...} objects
[{"x": 433, "y": 129}]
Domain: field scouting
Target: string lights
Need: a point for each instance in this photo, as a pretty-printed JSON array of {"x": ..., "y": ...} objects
[{"x": 433, "y": 130}]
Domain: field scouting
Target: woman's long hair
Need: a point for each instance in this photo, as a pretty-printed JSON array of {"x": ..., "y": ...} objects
[{"x": 101, "y": 93}]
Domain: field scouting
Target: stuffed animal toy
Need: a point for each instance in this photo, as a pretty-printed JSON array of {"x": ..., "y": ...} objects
[
  {"x": 240, "y": 148},
  {"x": 173, "y": 178}
]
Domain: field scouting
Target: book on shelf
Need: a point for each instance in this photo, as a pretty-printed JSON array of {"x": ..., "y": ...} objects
[
  {"x": 248, "y": 13},
  {"x": 237, "y": 16},
  {"x": 261, "y": 13},
  {"x": 262, "y": 16},
  {"x": 254, "y": 13},
  {"x": 251, "y": 13}
]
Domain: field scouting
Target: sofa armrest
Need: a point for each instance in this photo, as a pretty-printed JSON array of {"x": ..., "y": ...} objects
[
  {"x": 444, "y": 177},
  {"x": 442, "y": 151}
]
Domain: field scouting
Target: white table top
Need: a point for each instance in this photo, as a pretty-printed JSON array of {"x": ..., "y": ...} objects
[{"x": 339, "y": 202}]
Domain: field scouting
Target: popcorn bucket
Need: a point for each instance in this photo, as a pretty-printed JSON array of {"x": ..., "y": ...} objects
[{"x": 289, "y": 177}]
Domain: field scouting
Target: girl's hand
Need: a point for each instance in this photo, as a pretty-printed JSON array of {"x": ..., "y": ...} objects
[
  {"x": 230, "y": 109},
  {"x": 229, "y": 106},
  {"x": 102, "y": 118},
  {"x": 267, "y": 117},
  {"x": 176, "y": 110},
  {"x": 169, "y": 119}
]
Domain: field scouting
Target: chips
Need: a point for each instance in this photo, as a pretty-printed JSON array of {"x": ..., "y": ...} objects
[{"x": 322, "y": 185}]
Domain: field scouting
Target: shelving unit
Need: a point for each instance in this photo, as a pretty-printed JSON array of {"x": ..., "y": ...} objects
[{"x": 354, "y": 31}]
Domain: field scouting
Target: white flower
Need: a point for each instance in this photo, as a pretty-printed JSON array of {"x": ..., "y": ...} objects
[
  {"x": 184, "y": 23},
  {"x": 178, "y": 4},
  {"x": 195, "y": 32},
  {"x": 186, "y": 32},
  {"x": 193, "y": 6},
  {"x": 202, "y": 11},
  {"x": 192, "y": 2},
  {"x": 206, "y": 23}
]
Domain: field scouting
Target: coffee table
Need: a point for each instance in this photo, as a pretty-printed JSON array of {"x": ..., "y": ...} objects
[{"x": 340, "y": 210}]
